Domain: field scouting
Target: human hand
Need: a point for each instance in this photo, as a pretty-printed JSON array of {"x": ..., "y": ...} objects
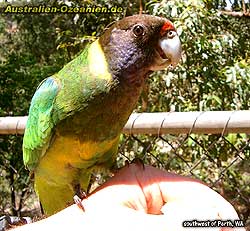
[{"x": 139, "y": 198}]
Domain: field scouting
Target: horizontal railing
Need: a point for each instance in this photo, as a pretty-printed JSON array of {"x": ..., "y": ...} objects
[{"x": 209, "y": 122}]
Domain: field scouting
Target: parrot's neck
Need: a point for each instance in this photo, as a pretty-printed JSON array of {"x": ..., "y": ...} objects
[
  {"x": 124, "y": 86},
  {"x": 98, "y": 65},
  {"x": 121, "y": 61},
  {"x": 110, "y": 98}
]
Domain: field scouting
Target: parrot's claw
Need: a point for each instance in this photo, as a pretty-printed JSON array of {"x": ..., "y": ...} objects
[
  {"x": 138, "y": 162},
  {"x": 82, "y": 194},
  {"x": 78, "y": 202},
  {"x": 79, "y": 196}
]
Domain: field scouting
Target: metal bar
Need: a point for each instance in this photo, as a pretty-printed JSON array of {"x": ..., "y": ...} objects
[{"x": 210, "y": 122}]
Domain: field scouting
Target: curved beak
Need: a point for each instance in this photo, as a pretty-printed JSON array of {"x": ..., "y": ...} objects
[
  {"x": 168, "y": 51},
  {"x": 171, "y": 46}
]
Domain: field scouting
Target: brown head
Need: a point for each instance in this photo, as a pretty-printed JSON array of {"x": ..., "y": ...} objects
[{"x": 139, "y": 44}]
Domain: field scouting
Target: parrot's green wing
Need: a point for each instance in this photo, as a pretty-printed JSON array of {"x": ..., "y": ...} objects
[{"x": 40, "y": 124}]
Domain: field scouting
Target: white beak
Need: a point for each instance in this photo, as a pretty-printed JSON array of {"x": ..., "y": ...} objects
[
  {"x": 171, "y": 46},
  {"x": 168, "y": 52}
]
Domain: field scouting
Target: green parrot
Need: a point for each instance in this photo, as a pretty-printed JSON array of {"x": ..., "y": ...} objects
[{"x": 77, "y": 115}]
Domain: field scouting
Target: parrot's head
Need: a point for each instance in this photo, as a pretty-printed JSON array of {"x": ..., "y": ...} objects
[{"x": 140, "y": 44}]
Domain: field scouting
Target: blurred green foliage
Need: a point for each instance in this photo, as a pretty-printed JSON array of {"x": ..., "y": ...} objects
[{"x": 214, "y": 75}]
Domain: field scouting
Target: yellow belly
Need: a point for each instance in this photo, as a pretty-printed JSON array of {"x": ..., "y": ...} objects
[
  {"x": 69, "y": 162},
  {"x": 68, "y": 155}
]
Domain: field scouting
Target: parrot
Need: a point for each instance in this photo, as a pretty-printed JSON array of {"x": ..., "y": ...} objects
[{"x": 76, "y": 116}]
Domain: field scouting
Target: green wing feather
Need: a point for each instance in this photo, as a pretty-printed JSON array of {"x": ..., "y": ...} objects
[
  {"x": 40, "y": 124},
  {"x": 59, "y": 97}
]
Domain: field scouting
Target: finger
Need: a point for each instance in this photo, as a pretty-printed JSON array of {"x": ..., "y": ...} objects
[
  {"x": 150, "y": 190},
  {"x": 171, "y": 187},
  {"x": 160, "y": 186},
  {"x": 185, "y": 198},
  {"x": 133, "y": 187}
]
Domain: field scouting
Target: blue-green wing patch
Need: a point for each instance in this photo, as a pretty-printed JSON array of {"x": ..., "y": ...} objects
[{"x": 39, "y": 127}]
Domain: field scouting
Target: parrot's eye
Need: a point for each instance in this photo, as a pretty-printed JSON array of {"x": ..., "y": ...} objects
[
  {"x": 138, "y": 30},
  {"x": 171, "y": 34}
]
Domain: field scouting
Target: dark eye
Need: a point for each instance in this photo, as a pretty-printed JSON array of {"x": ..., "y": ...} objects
[
  {"x": 171, "y": 34},
  {"x": 138, "y": 30}
]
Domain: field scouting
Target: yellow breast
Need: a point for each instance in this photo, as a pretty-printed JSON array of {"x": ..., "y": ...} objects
[{"x": 67, "y": 155}]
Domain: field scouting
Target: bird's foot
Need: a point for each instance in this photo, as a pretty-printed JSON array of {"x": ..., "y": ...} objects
[
  {"x": 78, "y": 202},
  {"x": 79, "y": 196}
]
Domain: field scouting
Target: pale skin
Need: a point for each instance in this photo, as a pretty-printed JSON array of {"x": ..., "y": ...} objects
[{"x": 142, "y": 198}]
